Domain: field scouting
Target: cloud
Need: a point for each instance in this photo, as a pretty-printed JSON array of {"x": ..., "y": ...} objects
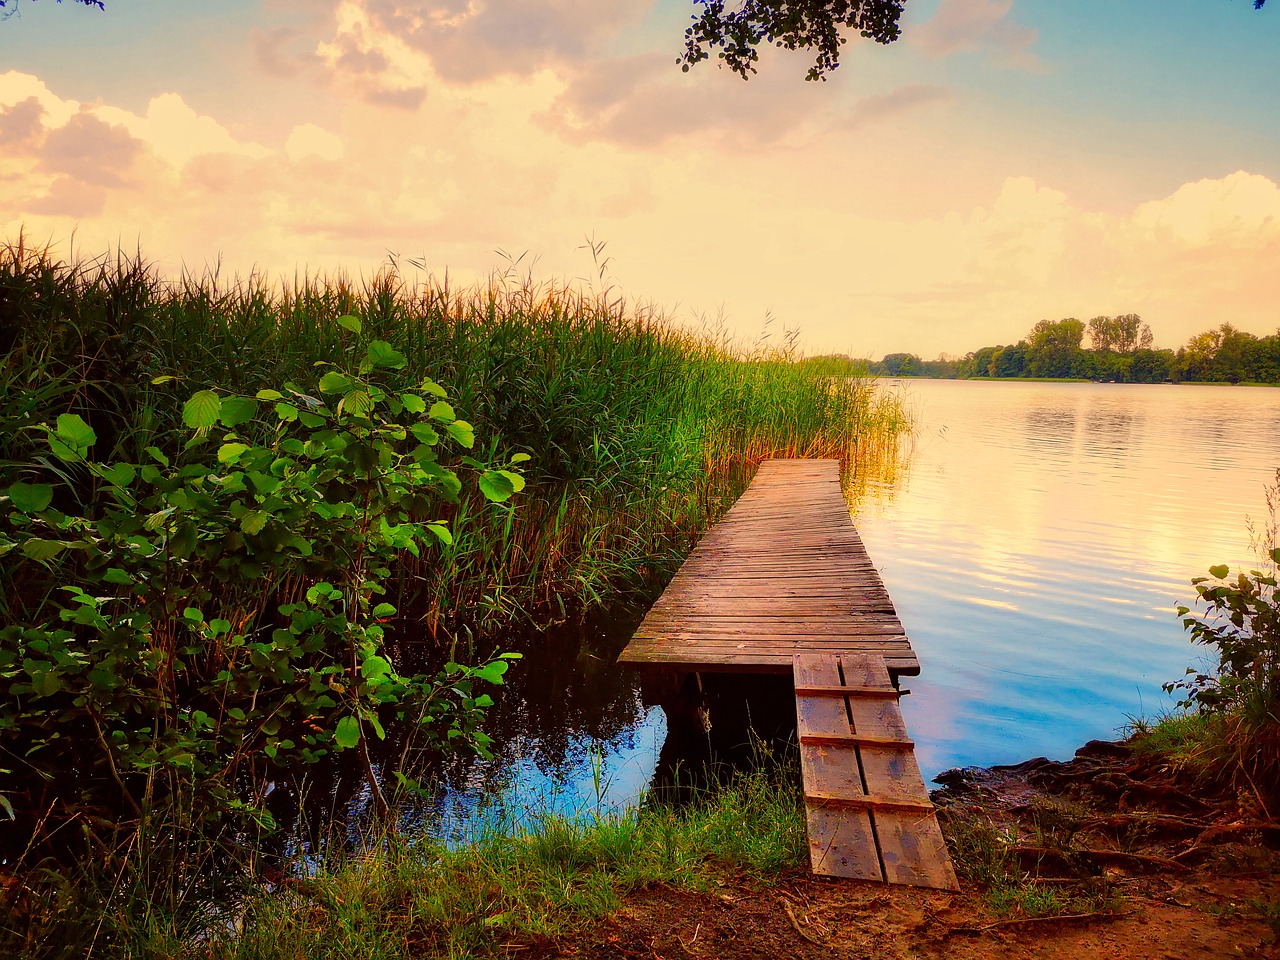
[
  {"x": 474, "y": 40},
  {"x": 69, "y": 198},
  {"x": 91, "y": 151},
  {"x": 309, "y": 140},
  {"x": 882, "y": 106},
  {"x": 964, "y": 25},
  {"x": 395, "y": 51},
  {"x": 16, "y": 88},
  {"x": 276, "y": 51},
  {"x": 1241, "y": 209},
  {"x": 643, "y": 102},
  {"x": 21, "y": 123},
  {"x": 176, "y": 133}
]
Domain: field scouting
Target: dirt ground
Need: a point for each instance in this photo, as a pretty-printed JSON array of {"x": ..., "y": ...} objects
[
  {"x": 1191, "y": 918},
  {"x": 1184, "y": 877}
]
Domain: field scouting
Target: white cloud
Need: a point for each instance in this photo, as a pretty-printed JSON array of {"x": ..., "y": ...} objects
[
  {"x": 309, "y": 140},
  {"x": 16, "y": 87},
  {"x": 1241, "y": 208},
  {"x": 176, "y": 133}
]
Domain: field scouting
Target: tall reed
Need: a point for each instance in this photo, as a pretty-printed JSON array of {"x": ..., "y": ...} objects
[{"x": 640, "y": 431}]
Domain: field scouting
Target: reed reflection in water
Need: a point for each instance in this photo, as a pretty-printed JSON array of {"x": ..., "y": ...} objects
[{"x": 1038, "y": 542}]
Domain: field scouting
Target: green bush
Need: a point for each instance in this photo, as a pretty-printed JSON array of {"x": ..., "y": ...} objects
[
  {"x": 1239, "y": 616},
  {"x": 220, "y": 619}
]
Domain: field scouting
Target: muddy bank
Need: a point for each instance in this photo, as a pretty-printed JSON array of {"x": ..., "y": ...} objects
[{"x": 1108, "y": 855}]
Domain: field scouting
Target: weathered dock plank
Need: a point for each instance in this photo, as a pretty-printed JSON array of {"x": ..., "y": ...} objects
[{"x": 783, "y": 571}]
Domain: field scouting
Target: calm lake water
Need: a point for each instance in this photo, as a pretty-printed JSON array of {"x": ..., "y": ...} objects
[
  {"x": 1040, "y": 541},
  {"x": 1035, "y": 541}
]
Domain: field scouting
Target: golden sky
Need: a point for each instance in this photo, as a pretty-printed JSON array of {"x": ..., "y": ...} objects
[{"x": 1006, "y": 161}]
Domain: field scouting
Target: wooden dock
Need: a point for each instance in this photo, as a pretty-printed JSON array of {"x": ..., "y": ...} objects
[{"x": 782, "y": 584}]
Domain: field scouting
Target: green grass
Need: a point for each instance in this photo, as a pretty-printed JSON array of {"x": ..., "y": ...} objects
[
  {"x": 641, "y": 431},
  {"x": 400, "y": 898}
]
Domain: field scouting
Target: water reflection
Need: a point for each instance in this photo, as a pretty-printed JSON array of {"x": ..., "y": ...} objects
[
  {"x": 571, "y": 736},
  {"x": 1040, "y": 543}
]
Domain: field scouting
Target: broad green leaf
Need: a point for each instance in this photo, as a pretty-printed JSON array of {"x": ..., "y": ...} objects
[
  {"x": 335, "y": 382},
  {"x": 41, "y": 550},
  {"x": 157, "y": 456},
  {"x": 520, "y": 457},
  {"x": 413, "y": 403},
  {"x": 347, "y": 733},
  {"x": 286, "y": 411},
  {"x": 382, "y": 354},
  {"x": 441, "y": 411},
  {"x": 375, "y": 667},
  {"x": 201, "y": 411},
  {"x": 462, "y": 432},
  {"x": 230, "y": 452},
  {"x": 31, "y": 497},
  {"x": 165, "y": 378},
  {"x": 491, "y": 672},
  {"x": 348, "y": 322},
  {"x": 238, "y": 410},
  {"x": 441, "y": 532},
  {"x": 384, "y": 610},
  {"x": 253, "y": 521},
  {"x": 310, "y": 420},
  {"x": 270, "y": 395},
  {"x": 425, "y": 433},
  {"x": 357, "y": 403},
  {"x": 120, "y": 474},
  {"x": 433, "y": 388},
  {"x": 72, "y": 437},
  {"x": 1220, "y": 571},
  {"x": 496, "y": 485}
]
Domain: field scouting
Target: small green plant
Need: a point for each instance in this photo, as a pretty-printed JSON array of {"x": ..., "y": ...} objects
[
  {"x": 220, "y": 623},
  {"x": 1240, "y": 617},
  {"x": 1242, "y": 620}
]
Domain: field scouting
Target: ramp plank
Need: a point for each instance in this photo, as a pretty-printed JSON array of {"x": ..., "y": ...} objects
[{"x": 857, "y": 760}]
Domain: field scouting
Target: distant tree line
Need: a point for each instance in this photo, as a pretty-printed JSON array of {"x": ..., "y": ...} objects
[{"x": 1120, "y": 350}]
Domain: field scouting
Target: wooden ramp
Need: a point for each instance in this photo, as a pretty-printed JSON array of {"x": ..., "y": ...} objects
[
  {"x": 868, "y": 810},
  {"x": 782, "y": 584},
  {"x": 783, "y": 572}
]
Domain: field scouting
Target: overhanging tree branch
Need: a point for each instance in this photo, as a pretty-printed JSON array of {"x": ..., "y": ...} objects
[{"x": 791, "y": 24}]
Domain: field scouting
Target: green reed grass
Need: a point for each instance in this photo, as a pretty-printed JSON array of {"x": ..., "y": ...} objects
[{"x": 641, "y": 431}]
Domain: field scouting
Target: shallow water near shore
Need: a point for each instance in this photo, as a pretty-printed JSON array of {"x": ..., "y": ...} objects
[{"x": 1035, "y": 539}]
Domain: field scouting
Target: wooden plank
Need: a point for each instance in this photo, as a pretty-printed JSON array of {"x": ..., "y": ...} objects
[
  {"x": 841, "y": 801},
  {"x": 841, "y": 842},
  {"x": 911, "y": 844},
  {"x": 839, "y": 690},
  {"x": 855, "y": 739}
]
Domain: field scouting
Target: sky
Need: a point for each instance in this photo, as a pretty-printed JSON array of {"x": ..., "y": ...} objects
[{"x": 1005, "y": 161}]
